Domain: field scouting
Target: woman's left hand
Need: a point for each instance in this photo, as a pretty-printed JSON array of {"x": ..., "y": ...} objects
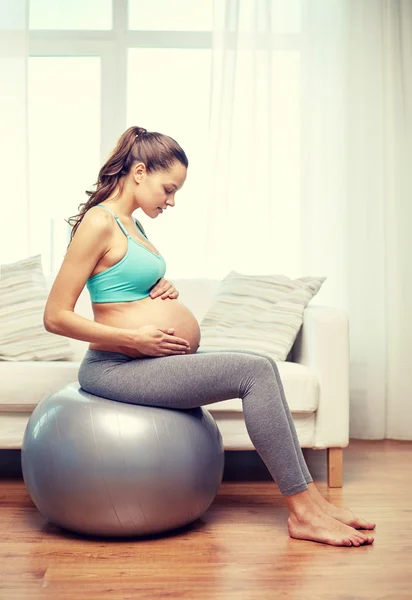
[{"x": 165, "y": 289}]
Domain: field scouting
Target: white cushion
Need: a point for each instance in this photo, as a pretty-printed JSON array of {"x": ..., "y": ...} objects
[
  {"x": 262, "y": 313},
  {"x": 24, "y": 384},
  {"x": 299, "y": 383},
  {"x": 23, "y": 297}
]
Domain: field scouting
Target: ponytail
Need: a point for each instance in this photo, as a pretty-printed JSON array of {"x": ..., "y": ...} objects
[{"x": 157, "y": 151}]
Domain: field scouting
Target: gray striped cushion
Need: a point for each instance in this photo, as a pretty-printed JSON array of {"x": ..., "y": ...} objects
[
  {"x": 23, "y": 296},
  {"x": 262, "y": 313}
]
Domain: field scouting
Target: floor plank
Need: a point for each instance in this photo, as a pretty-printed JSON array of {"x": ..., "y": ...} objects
[{"x": 239, "y": 549}]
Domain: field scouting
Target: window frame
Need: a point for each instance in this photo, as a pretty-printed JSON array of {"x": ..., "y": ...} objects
[{"x": 112, "y": 46}]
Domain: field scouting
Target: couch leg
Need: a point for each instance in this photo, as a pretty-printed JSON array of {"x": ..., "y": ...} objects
[{"x": 335, "y": 464}]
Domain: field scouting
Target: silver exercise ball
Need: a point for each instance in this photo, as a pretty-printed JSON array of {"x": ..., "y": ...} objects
[{"x": 100, "y": 467}]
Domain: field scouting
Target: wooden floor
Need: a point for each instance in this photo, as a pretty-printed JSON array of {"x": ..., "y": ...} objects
[{"x": 239, "y": 549}]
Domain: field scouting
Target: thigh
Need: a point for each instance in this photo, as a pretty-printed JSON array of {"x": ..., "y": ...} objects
[
  {"x": 177, "y": 381},
  {"x": 249, "y": 352},
  {"x": 262, "y": 355}
]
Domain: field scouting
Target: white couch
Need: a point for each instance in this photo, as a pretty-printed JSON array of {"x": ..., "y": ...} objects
[{"x": 315, "y": 377}]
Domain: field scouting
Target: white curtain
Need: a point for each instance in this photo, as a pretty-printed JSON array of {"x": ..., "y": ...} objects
[
  {"x": 310, "y": 173},
  {"x": 14, "y": 222},
  {"x": 378, "y": 110}
]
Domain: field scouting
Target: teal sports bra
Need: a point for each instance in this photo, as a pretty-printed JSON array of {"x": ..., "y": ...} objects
[{"x": 132, "y": 277}]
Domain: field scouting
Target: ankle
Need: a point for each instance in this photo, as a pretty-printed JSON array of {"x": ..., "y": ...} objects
[
  {"x": 301, "y": 505},
  {"x": 315, "y": 494}
]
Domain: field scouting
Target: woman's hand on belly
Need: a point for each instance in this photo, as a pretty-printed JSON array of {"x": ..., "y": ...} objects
[
  {"x": 155, "y": 341},
  {"x": 165, "y": 289}
]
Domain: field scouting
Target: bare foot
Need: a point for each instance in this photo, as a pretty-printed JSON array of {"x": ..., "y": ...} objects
[
  {"x": 345, "y": 515},
  {"x": 317, "y": 526},
  {"x": 342, "y": 514}
]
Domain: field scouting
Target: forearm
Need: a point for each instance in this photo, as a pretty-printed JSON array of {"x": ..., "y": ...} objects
[{"x": 72, "y": 325}]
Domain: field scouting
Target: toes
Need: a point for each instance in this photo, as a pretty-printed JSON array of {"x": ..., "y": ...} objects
[
  {"x": 364, "y": 524},
  {"x": 359, "y": 522},
  {"x": 360, "y": 537},
  {"x": 366, "y": 539},
  {"x": 361, "y": 541}
]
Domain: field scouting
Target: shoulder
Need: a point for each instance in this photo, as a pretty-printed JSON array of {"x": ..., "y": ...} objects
[
  {"x": 94, "y": 224},
  {"x": 97, "y": 218}
]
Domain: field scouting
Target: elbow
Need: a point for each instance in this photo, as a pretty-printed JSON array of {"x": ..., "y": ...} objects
[
  {"x": 50, "y": 323},
  {"x": 47, "y": 324}
]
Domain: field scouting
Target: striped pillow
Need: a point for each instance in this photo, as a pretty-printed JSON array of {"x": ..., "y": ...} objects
[
  {"x": 23, "y": 296},
  {"x": 261, "y": 313}
]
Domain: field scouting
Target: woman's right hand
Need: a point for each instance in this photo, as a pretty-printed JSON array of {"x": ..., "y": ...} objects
[{"x": 154, "y": 341}]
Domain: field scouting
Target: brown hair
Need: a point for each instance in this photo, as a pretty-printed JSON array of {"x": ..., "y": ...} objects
[{"x": 157, "y": 151}]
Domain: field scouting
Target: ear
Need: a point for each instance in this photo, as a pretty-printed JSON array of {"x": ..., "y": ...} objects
[{"x": 139, "y": 171}]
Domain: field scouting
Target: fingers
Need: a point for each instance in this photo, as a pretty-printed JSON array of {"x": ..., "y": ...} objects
[
  {"x": 159, "y": 291},
  {"x": 164, "y": 292},
  {"x": 171, "y": 339},
  {"x": 178, "y": 348}
]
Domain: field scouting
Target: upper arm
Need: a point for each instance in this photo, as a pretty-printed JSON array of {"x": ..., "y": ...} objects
[{"x": 90, "y": 242}]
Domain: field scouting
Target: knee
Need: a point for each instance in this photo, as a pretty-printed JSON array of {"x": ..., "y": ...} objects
[
  {"x": 264, "y": 358},
  {"x": 263, "y": 366},
  {"x": 256, "y": 370},
  {"x": 273, "y": 364}
]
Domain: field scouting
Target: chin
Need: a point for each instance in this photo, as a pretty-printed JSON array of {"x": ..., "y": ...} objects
[{"x": 152, "y": 214}]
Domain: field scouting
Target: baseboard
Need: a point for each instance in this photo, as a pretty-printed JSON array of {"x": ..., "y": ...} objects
[
  {"x": 242, "y": 465},
  {"x": 10, "y": 464}
]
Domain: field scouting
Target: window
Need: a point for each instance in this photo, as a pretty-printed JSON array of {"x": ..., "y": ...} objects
[
  {"x": 176, "y": 15},
  {"x": 176, "y": 102},
  {"x": 75, "y": 14},
  {"x": 64, "y": 147}
]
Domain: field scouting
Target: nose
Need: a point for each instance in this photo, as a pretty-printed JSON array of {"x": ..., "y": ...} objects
[{"x": 171, "y": 202}]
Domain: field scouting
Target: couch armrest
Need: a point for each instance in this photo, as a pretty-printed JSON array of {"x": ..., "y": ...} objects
[{"x": 323, "y": 346}]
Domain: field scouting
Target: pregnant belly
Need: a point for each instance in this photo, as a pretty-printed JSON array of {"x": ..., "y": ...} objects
[{"x": 164, "y": 314}]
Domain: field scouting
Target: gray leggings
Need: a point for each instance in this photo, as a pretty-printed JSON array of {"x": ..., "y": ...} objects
[{"x": 191, "y": 380}]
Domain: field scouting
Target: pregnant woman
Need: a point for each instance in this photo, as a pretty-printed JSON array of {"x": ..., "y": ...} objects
[{"x": 144, "y": 343}]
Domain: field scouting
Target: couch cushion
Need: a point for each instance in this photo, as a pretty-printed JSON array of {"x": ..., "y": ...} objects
[
  {"x": 24, "y": 384},
  {"x": 235, "y": 436},
  {"x": 299, "y": 383}
]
